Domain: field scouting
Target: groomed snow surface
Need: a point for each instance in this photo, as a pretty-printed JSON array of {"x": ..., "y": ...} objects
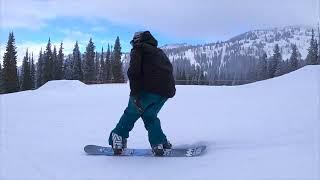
[{"x": 267, "y": 130}]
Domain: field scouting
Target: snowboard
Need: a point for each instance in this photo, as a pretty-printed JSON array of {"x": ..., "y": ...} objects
[{"x": 196, "y": 150}]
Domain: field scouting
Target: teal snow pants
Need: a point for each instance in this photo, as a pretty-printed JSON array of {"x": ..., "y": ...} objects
[{"x": 151, "y": 105}]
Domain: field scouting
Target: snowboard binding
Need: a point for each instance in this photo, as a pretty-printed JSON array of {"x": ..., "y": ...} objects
[
  {"x": 159, "y": 149},
  {"x": 118, "y": 144}
]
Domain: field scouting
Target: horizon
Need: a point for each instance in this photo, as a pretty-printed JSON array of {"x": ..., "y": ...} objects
[{"x": 34, "y": 48}]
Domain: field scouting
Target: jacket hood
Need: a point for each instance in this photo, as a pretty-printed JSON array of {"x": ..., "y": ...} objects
[{"x": 143, "y": 37}]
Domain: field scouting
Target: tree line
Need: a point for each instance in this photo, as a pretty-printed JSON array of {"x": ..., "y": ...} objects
[
  {"x": 276, "y": 66},
  {"x": 106, "y": 67},
  {"x": 89, "y": 67}
]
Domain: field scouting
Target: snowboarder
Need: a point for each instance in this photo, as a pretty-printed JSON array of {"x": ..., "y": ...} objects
[{"x": 151, "y": 84}]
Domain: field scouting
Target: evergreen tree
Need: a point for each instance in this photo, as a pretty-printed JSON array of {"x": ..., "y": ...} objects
[
  {"x": 275, "y": 63},
  {"x": 76, "y": 63},
  {"x": 294, "y": 58},
  {"x": 32, "y": 73},
  {"x": 1, "y": 80},
  {"x": 312, "y": 56},
  {"x": 108, "y": 67},
  {"x": 117, "y": 72},
  {"x": 316, "y": 49},
  {"x": 40, "y": 69},
  {"x": 101, "y": 67},
  {"x": 184, "y": 77},
  {"x": 96, "y": 67},
  {"x": 48, "y": 64},
  {"x": 263, "y": 67},
  {"x": 89, "y": 75},
  {"x": 59, "y": 66},
  {"x": 26, "y": 82},
  {"x": 177, "y": 76},
  {"x": 287, "y": 66},
  {"x": 280, "y": 69},
  {"x": 54, "y": 63},
  {"x": 68, "y": 68},
  {"x": 318, "y": 45},
  {"x": 10, "y": 74}
]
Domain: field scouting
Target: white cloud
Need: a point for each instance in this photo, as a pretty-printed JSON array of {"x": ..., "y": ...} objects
[
  {"x": 106, "y": 42},
  {"x": 204, "y": 19},
  {"x": 75, "y": 34},
  {"x": 98, "y": 29},
  {"x": 2, "y": 50}
]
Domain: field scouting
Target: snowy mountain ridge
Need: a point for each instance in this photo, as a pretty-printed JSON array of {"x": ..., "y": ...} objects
[
  {"x": 174, "y": 46},
  {"x": 252, "y": 44}
]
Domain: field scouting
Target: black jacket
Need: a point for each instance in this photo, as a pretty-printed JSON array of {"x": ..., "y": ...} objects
[{"x": 150, "y": 69}]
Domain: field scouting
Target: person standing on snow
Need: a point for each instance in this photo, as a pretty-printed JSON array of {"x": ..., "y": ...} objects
[{"x": 151, "y": 83}]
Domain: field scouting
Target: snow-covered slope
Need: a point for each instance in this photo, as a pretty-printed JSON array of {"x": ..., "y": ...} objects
[
  {"x": 267, "y": 39},
  {"x": 265, "y": 130},
  {"x": 252, "y": 43},
  {"x": 174, "y": 46}
]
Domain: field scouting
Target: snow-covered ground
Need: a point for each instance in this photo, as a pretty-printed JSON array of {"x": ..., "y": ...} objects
[{"x": 269, "y": 130}]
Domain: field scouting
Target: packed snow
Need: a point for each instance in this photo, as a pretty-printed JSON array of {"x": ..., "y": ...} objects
[
  {"x": 62, "y": 85},
  {"x": 173, "y": 46},
  {"x": 267, "y": 130}
]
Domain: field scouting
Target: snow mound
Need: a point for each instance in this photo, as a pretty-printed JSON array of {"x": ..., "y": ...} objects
[
  {"x": 297, "y": 79},
  {"x": 308, "y": 70},
  {"x": 62, "y": 85}
]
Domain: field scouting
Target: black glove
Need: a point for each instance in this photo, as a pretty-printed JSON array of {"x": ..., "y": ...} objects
[{"x": 137, "y": 102}]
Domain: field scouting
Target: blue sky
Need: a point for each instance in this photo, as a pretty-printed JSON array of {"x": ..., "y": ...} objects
[
  {"x": 170, "y": 21},
  {"x": 76, "y": 29}
]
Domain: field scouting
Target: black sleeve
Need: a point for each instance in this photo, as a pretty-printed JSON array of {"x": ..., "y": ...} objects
[{"x": 135, "y": 71}]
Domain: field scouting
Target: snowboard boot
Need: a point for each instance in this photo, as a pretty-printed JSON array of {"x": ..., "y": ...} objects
[
  {"x": 159, "y": 149},
  {"x": 167, "y": 145},
  {"x": 118, "y": 144}
]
